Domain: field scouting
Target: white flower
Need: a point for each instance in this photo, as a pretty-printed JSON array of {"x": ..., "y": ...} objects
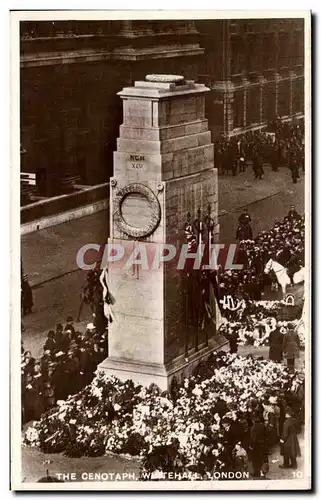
[{"x": 197, "y": 391}]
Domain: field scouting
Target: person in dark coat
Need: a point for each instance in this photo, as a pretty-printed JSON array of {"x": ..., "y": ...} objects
[
  {"x": 244, "y": 232},
  {"x": 258, "y": 166},
  {"x": 293, "y": 214},
  {"x": 26, "y": 295},
  {"x": 232, "y": 337},
  {"x": 29, "y": 363},
  {"x": 284, "y": 255},
  {"x": 48, "y": 396},
  {"x": 290, "y": 448},
  {"x": 58, "y": 378},
  {"x": 70, "y": 324},
  {"x": 32, "y": 400},
  {"x": 276, "y": 345},
  {"x": 291, "y": 347},
  {"x": 294, "y": 265},
  {"x": 258, "y": 440},
  {"x": 274, "y": 158},
  {"x": 50, "y": 344},
  {"x": 59, "y": 334},
  {"x": 72, "y": 369},
  {"x": 245, "y": 217}
]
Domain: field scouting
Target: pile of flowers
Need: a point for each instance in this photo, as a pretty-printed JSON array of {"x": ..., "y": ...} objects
[
  {"x": 170, "y": 432},
  {"x": 281, "y": 310},
  {"x": 255, "y": 329}
]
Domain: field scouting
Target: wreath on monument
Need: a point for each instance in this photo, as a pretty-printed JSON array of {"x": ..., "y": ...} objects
[{"x": 137, "y": 232}]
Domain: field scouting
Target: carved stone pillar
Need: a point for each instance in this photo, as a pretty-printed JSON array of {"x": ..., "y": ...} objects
[{"x": 163, "y": 169}]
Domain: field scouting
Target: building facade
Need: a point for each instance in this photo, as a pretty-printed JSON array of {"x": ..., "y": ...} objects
[
  {"x": 71, "y": 71},
  {"x": 255, "y": 69}
]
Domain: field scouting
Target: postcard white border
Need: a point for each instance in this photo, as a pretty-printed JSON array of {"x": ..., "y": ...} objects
[{"x": 15, "y": 318}]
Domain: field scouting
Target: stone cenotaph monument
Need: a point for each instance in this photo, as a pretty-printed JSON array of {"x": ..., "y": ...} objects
[{"x": 164, "y": 184}]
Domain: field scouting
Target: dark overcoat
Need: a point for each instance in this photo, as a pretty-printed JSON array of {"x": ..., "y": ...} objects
[
  {"x": 291, "y": 345},
  {"x": 276, "y": 346},
  {"x": 290, "y": 448}
]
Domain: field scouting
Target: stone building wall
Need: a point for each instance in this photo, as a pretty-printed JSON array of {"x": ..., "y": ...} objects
[
  {"x": 71, "y": 72},
  {"x": 262, "y": 73}
]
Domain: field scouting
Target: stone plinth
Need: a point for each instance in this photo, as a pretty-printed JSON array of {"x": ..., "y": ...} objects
[{"x": 163, "y": 169}]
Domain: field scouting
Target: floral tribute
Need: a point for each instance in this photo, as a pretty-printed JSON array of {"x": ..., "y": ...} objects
[
  {"x": 255, "y": 329},
  {"x": 267, "y": 308},
  {"x": 182, "y": 431}
]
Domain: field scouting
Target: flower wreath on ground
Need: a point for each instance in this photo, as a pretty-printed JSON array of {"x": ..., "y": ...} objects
[
  {"x": 280, "y": 309},
  {"x": 255, "y": 329},
  {"x": 181, "y": 431}
]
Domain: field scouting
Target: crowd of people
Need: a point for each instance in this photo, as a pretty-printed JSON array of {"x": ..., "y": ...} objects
[
  {"x": 281, "y": 337},
  {"x": 250, "y": 436},
  {"x": 284, "y": 243},
  {"x": 68, "y": 363},
  {"x": 281, "y": 144},
  {"x": 252, "y": 439}
]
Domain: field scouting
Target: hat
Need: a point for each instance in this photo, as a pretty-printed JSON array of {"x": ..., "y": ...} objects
[
  {"x": 288, "y": 411},
  {"x": 69, "y": 319},
  {"x": 90, "y": 326}
]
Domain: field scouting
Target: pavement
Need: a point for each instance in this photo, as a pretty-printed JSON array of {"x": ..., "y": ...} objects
[{"x": 33, "y": 467}]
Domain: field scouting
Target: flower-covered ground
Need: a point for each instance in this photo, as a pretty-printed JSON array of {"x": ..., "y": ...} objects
[
  {"x": 255, "y": 329},
  {"x": 279, "y": 309},
  {"x": 181, "y": 431}
]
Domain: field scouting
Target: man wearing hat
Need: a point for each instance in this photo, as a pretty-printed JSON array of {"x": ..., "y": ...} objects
[
  {"x": 293, "y": 214},
  {"x": 70, "y": 324},
  {"x": 50, "y": 344},
  {"x": 291, "y": 347},
  {"x": 259, "y": 452},
  {"x": 290, "y": 448}
]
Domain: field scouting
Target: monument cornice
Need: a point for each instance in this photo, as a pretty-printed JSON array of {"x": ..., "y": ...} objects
[{"x": 161, "y": 93}]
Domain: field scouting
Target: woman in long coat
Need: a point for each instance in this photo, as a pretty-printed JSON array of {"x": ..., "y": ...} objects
[
  {"x": 290, "y": 448},
  {"x": 291, "y": 347}
]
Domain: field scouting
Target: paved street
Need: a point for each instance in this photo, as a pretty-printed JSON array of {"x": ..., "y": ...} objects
[
  {"x": 33, "y": 468},
  {"x": 49, "y": 255}
]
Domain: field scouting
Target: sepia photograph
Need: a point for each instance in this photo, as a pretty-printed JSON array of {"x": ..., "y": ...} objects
[{"x": 161, "y": 250}]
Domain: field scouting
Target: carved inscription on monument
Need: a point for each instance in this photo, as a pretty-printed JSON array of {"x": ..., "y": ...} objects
[{"x": 136, "y": 160}]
